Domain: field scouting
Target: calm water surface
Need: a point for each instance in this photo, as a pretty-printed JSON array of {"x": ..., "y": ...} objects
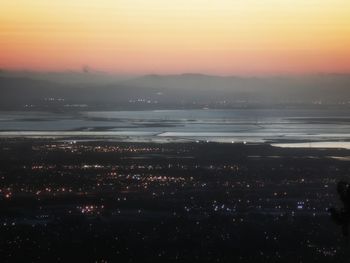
[{"x": 251, "y": 125}]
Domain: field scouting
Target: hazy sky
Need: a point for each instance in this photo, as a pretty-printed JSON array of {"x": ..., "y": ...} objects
[{"x": 159, "y": 36}]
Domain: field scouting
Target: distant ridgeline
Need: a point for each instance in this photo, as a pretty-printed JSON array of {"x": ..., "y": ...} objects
[{"x": 172, "y": 91}]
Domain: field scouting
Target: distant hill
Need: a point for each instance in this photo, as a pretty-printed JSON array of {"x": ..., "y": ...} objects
[
  {"x": 172, "y": 91},
  {"x": 262, "y": 90}
]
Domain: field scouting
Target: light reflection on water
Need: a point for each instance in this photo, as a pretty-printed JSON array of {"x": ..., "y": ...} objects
[
  {"x": 345, "y": 145},
  {"x": 251, "y": 125}
]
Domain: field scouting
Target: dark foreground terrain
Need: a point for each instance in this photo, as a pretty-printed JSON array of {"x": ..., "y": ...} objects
[{"x": 100, "y": 201}]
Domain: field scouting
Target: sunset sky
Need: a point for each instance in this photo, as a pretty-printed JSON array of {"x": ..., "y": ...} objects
[{"x": 157, "y": 36}]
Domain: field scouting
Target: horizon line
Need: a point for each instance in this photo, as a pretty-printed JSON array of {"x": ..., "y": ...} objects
[{"x": 92, "y": 71}]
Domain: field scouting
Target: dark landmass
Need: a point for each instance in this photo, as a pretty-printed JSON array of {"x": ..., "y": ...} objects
[
  {"x": 100, "y": 201},
  {"x": 187, "y": 91}
]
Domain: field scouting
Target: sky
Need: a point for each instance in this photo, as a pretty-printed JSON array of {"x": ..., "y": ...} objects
[{"x": 224, "y": 37}]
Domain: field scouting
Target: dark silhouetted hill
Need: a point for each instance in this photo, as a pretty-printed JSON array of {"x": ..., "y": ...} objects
[{"x": 186, "y": 90}]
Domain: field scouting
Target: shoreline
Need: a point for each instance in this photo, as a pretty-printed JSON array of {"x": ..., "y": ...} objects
[{"x": 118, "y": 137}]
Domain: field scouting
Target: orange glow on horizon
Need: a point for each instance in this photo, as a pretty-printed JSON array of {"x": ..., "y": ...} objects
[{"x": 134, "y": 36}]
